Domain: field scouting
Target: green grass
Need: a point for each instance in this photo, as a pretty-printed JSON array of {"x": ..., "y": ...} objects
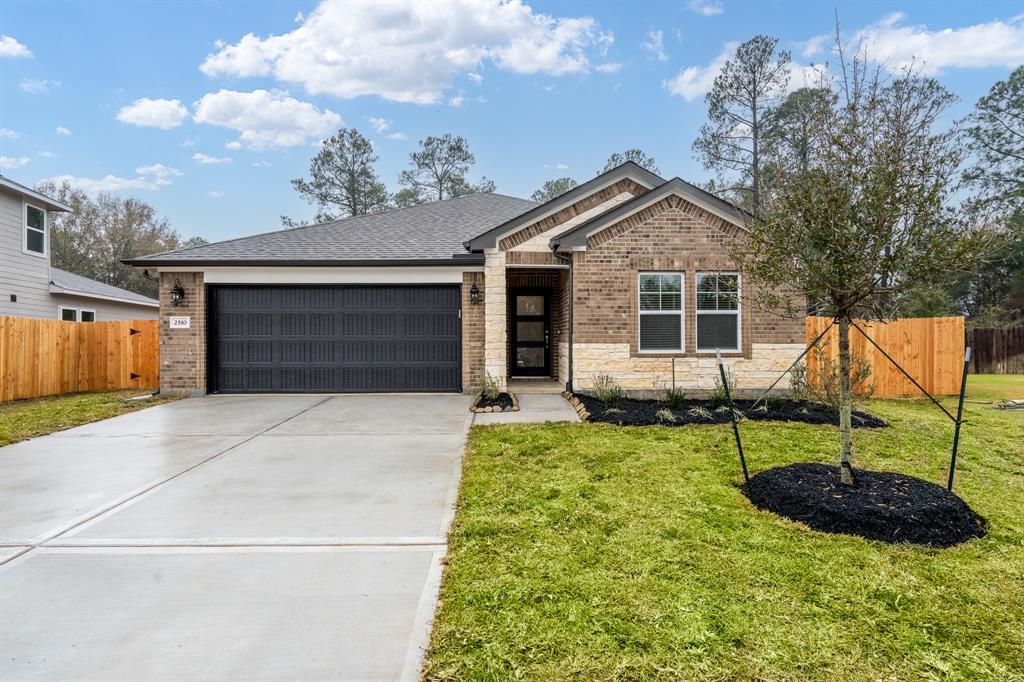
[
  {"x": 995, "y": 386},
  {"x": 599, "y": 552},
  {"x": 21, "y": 419}
]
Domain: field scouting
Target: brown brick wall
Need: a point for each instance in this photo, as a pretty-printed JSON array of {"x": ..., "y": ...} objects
[
  {"x": 671, "y": 236},
  {"x": 570, "y": 212},
  {"x": 472, "y": 333},
  {"x": 183, "y": 351}
]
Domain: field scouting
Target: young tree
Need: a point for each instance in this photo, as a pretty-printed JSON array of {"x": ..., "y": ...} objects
[
  {"x": 866, "y": 219},
  {"x": 438, "y": 171},
  {"x": 552, "y": 188},
  {"x": 92, "y": 239},
  {"x": 637, "y": 156},
  {"x": 342, "y": 181},
  {"x": 740, "y": 104}
]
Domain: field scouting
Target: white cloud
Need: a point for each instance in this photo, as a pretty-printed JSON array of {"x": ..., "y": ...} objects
[
  {"x": 189, "y": 142},
  {"x": 7, "y": 132},
  {"x": 265, "y": 118},
  {"x": 398, "y": 136},
  {"x": 208, "y": 160},
  {"x": 996, "y": 43},
  {"x": 160, "y": 173},
  {"x": 458, "y": 100},
  {"x": 9, "y": 47},
  {"x": 475, "y": 77},
  {"x": 654, "y": 43},
  {"x": 379, "y": 124},
  {"x": 154, "y": 113},
  {"x": 556, "y": 166},
  {"x": 411, "y": 51},
  {"x": 694, "y": 81},
  {"x": 61, "y": 130},
  {"x": 813, "y": 45},
  {"x": 47, "y": 154},
  {"x": 215, "y": 194},
  {"x": 108, "y": 183},
  {"x": 262, "y": 163},
  {"x": 609, "y": 67},
  {"x": 13, "y": 161},
  {"x": 706, "y": 8},
  {"x": 37, "y": 87}
]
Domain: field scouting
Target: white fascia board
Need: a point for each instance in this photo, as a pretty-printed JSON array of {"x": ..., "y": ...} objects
[
  {"x": 302, "y": 275},
  {"x": 54, "y": 289}
]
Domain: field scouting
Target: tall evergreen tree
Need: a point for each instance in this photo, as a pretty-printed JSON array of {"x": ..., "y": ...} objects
[
  {"x": 438, "y": 171},
  {"x": 637, "y": 156},
  {"x": 552, "y": 188}
]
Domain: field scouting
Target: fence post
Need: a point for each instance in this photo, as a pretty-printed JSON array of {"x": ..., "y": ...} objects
[
  {"x": 959, "y": 419},
  {"x": 732, "y": 414}
]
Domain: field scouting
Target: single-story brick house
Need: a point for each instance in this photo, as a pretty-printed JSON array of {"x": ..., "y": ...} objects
[{"x": 627, "y": 275}]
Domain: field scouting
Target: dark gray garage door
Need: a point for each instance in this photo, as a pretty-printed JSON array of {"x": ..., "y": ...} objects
[{"x": 280, "y": 339}]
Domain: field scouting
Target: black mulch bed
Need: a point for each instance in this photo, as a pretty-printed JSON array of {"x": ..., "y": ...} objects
[
  {"x": 882, "y": 506},
  {"x": 504, "y": 400},
  {"x": 634, "y": 412}
]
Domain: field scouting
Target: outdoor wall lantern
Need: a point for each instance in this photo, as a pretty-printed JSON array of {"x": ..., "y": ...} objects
[
  {"x": 474, "y": 294},
  {"x": 177, "y": 293}
]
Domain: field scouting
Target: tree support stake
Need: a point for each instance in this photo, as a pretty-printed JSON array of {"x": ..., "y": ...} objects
[{"x": 732, "y": 414}]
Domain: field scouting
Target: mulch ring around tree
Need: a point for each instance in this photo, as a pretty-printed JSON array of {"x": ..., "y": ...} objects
[
  {"x": 505, "y": 402},
  {"x": 636, "y": 412},
  {"x": 882, "y": 506}
]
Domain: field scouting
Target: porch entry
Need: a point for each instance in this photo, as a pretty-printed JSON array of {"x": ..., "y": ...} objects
[{"x": 531, "y": 332}]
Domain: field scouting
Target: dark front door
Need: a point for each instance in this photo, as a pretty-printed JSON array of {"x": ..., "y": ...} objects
[
  {"x": 295, "y": 339},
  {"x": 531, "y": 332}
]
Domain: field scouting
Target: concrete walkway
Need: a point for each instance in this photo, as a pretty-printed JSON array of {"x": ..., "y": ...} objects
[
  {"x": 230, "y": 538},
  {"x": 533, "y": 408}
]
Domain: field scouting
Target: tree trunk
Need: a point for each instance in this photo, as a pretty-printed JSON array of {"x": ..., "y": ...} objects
[{"x": 845, "y": 404}]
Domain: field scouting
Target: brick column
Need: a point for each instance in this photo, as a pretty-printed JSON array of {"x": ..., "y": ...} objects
[
  {"x": 472, "y": 332},
  {"x": 183, "y": 351},
  {"x": 495, "y": 310}
]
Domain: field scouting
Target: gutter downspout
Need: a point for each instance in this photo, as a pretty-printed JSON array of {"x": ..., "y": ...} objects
[{"x": 567, "y": 259}]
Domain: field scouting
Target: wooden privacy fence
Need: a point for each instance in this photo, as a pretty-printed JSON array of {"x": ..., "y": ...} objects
[
  {"x": 46, "y": 357},
  {"x": 997, "y": 351},
  {"x": 930, "y": 349}
]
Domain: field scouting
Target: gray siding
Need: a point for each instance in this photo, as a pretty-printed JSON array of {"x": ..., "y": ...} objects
[
  {"x": 20, "y": 273},
  {"x": 105, "y": 310}
]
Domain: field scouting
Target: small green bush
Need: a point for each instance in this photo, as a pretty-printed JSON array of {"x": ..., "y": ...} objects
[
  {"x": 718, "y": 395},
  {"x": 822, "y": 384},
  {"x": 490, "y": 389},
  {"x": 607, "y": 391},
  {"x": 675, "y": 397},
  {"x": 665, "y": 416}
]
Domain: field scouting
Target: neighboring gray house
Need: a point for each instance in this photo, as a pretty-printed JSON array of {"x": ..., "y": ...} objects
[{"x": 30, "y": 287}]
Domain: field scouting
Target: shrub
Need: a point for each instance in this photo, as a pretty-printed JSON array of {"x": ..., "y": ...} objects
[
  {"x": 490, "y": 389},
  {"x": 822, "y": 384},
  {"x": 675, "y": 397},
  {"x": 607, "y": 391},
  {"x": 665, "y": 416},
  {"x": 718, "y": 395},
  {"x": 698, "y": 412}
]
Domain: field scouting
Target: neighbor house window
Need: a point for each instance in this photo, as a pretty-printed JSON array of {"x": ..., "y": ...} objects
[
  {"x": 661, "y": 311},
  {"x": 76, "y": 314},
  {"x": 35, "y": 230},
  {"x": 718, "y": 311}
]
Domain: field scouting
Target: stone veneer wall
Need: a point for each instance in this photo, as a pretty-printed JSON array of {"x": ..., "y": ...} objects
[
  {"x": 472, "y": 333},
  {"x": 183, "y": 351},
  {"x": 670, "y": 236},
  {"x": 495, "y": 338}
]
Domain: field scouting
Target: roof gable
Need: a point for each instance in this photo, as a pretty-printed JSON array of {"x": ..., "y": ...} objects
[
  {"x": 576, "y": 238},
  {"x": 628, "y": 170}
]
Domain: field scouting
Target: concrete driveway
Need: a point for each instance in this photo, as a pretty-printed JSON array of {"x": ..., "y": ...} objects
[{"x": 230, "y": 538}]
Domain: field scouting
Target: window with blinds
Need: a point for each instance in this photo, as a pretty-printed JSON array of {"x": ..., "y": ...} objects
[
  {"x": 661, "y": 311},
  {"x": 718, "y": 311}
]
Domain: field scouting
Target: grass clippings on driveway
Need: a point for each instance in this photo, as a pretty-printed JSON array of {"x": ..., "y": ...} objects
[
  {"x": 600, "y": 552},
  {"x": 21, "y": 419}
]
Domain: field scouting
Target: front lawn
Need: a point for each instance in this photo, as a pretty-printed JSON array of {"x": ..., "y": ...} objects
[
  {"x": 21, "y": 419},
  {"x": 595, "y": 551}
]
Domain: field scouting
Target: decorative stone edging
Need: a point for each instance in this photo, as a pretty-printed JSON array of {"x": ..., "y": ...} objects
[
  {"x": 577, "y": 404},
  {"x": 495, "y": 408}
]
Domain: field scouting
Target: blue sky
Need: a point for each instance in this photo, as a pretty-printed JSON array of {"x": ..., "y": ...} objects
[{"x": 208, "y": 109}]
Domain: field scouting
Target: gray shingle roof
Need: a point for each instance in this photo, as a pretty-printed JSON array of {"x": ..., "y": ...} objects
[
  {"x": 90, "y": 287},
  {"x": 427, "y": 232}
]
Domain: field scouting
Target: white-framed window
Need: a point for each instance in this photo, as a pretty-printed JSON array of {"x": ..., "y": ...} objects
[
  {"x": 69, "y": 314},
  {"x": 661, "y": 323},
  {"x": 34, "y": 239},
  {"x": 718, "y": 311}
]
